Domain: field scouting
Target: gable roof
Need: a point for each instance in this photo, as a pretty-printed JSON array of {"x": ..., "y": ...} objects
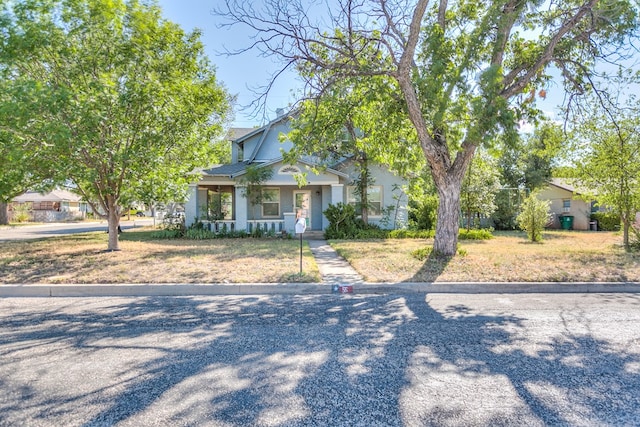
[
  {"x": 264, "y": 130},
  {"x": 569, "y": 185},
  {"x": 237, "y": 133},
  {"x": 52, "y": 196}
]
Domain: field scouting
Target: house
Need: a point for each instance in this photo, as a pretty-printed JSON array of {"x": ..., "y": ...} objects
[
  {"x": 218, "y": 196},
  {"x": 569, "y": 210},
  {"x": 56, "y": 205}
]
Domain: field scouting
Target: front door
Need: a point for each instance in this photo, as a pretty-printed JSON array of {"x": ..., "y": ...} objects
[{"x": 302, "y": 203}]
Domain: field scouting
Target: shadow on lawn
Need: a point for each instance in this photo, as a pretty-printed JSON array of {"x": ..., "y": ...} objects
[
  {"x": 379, "y": 360},
  {"x": 432, "y": 268}
]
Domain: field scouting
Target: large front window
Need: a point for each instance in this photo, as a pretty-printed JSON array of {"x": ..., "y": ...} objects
[
  {"x": 374, "y": 196},
  {"x": 271, "y": 202},
  {"x": 219, "y": 205}
]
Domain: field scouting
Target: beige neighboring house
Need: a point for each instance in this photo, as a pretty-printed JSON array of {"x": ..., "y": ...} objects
[
  {"x": 56, "y": 205},
  {"x": 569, "y": 210}
]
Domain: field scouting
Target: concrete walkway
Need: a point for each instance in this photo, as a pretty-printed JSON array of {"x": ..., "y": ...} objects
[{"x": 333, "y": 268}]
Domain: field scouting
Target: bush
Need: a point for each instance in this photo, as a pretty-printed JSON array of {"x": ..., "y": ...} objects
[
  {"x": 477, "y": 234},
  {"x": 534, "y": 216},
  {"x": 423, "y": 212},
  {"x": 412, "y": 234},
  {"x": 424, "y": 253},
  {"x": 199, "y": 234},
  {"x": 166, "y": 234},
  {"x": 342, "y": 222},
  {"x": 607, "y": 221}
]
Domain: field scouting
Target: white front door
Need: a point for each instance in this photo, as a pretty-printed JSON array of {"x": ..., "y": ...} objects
[{"x": 302, "y": 203}]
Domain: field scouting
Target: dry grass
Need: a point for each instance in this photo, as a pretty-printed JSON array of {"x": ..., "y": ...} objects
[
  {"x": 562, "y": 256},
  {"x": 82, "y": 259}
]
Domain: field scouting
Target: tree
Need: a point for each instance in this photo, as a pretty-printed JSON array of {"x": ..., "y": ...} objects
[
  {"x": 534, "y": 216},
  {"x": 344, "y": 123},
  {"x": 529, "y": 160},
  {"x": 465, "y": 70},
  {"x": 480, "y": 187},
  {"x": 252, "y": 183},
  {"x": 115, "y": 94},
  {"x": 526, "y": 163},
  {"x": 608, "y": 160}
]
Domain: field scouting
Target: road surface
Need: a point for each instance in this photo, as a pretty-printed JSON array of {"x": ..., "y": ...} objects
[
  {"x": 25, "y": 232},
  {"x": 332, "y": 360}
]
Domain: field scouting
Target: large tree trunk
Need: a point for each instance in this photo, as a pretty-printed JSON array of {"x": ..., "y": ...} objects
[
  {"x": 447, "y": 223},
  {"x": 113, "y": 219},
  {"x": 4, "y": 213}
]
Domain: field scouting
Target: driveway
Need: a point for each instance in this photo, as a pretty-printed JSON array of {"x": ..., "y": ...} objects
[
  {"x": 339, "y": 360},
  {"x": 25, "y": 232}
]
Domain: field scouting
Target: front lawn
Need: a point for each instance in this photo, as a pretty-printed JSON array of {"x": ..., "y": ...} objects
[
  {"x": 563, "y": 256},
  {"x": 82, "y": 259}
]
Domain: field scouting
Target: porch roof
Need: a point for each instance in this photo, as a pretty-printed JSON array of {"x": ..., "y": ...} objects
[{"x": 237, "y": 169}]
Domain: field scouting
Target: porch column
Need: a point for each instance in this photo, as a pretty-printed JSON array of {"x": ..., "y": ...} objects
[
  {"x": 326, "y": 201},
  {"x": 191, "y": 207},
  {"x": 240, "y": 207}
]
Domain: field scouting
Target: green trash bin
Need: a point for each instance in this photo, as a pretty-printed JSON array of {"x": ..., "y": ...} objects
[{"x": 566, "y": 222}]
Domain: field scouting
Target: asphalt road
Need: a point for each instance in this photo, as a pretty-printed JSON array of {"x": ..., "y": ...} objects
[
  {"x": 333, "y": 360},
  {"x": 25, "y": 232}
]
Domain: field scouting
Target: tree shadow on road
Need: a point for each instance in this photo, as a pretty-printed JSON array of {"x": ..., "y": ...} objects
[{"x": 323, "y": 360}]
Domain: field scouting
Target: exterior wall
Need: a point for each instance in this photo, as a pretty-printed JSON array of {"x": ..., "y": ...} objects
[
  {"x": 580, "y": 210},
  {"x": 392, "y": 195},
  {"x": 271, "y": 145}
]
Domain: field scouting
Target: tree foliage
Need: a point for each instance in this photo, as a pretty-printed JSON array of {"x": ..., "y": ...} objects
[
  {"x": 463, "y": 71},
  {"x": 608, "y": 158},
  {"x": 252, "y": 183},
  {"x": 479, "y": 188},
  {"x": 113, "y": 94},
  {"x": 528, "y": 162}
]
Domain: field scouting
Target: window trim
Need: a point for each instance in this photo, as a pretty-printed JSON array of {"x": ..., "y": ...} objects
[
  {"x": 353, "y": 202},
  {"x": 271, "y": 201}
]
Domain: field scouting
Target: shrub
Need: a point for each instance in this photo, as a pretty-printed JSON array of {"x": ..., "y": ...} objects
[
  {"x": 423, "y": 212},
  {"x": 21, "y": 212},
  {"x": 412, "y": 234},
  {"x": 477, "y": 234},
  {"x": 166, "y": 234},
  {"x": 607, "y": 221},
  {"x": 342, "y": 221},
  {"x": 534, "y": 216},
  {"x": 199, "y": 234},
  {"x": 424, "y": 253}
]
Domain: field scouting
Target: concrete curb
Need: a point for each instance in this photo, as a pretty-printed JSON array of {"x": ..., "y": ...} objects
[{"x": 190, "y": 289}]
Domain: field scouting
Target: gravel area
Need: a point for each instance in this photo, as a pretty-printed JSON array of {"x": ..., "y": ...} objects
[{"x": 332, "y": 360}]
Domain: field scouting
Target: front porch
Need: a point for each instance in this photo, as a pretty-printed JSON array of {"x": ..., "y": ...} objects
[{"x": 225, "y": 208}]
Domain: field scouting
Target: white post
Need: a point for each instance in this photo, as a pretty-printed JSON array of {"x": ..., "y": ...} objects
[
  {"x": 191, "y": 207},
  {"x": 240, "y": 208}
]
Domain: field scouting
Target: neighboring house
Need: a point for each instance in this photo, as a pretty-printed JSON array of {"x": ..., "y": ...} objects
[
  {"x": 567, "y": 205},
  {"x": 221, "y": 187},
  {"x": 57, "y": 205}
]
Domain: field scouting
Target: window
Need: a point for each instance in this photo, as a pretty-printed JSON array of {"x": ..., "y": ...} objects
[
  {"x": 566, "y": 205},
  {"x": 240, "y": 153},
  {"x": 271, "y": 202},
  {"x": 374, "y": 194},
  {"x": 219, "y": 205}
]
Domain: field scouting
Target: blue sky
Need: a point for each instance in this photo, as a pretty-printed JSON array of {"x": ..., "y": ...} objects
[{"x": 238, "y": 73}]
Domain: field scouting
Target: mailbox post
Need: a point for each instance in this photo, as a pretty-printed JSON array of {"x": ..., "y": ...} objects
[{"x": 301, "y": 226}]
